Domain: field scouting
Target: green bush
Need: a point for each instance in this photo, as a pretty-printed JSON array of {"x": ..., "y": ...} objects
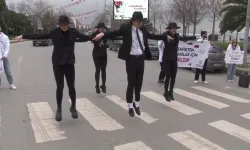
[{"x": 225, "y": 45}]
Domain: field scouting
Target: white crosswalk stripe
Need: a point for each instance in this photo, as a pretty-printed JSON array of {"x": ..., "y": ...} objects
[
  {"x": 144, "y": 116},
  {"x": 193, "y": 141},
  {"x": 221, "y": 94},
  {"x": 201, "y": 99},
  {"x": 96, "y": 117},
  {"x": 232, "y": 129},
  {"x": 247, "y": 116},
  {"x": 133, "y": 146},
  {"x": 45, "y": 127},
  {"x": 187, "y": 110}
]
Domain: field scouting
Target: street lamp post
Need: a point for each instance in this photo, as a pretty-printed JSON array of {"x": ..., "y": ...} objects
[{"x": 246, "y": 32}]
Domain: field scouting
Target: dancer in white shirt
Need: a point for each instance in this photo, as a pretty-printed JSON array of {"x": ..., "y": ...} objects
[{"x": 161, "y": 74}]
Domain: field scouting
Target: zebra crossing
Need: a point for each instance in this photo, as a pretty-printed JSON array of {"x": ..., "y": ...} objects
[{"x": 46, "y": 129}]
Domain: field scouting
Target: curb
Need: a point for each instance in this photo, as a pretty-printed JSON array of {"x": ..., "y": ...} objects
[{"x": 13, "y": 41}]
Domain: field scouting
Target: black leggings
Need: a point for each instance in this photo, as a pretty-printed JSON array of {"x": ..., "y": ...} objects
[
  {"x": 170, "y": 68},
  {"x": 162, "y": 74},
  {"x": 68, "y": 71},
  {"x": 100, "y": 66}
]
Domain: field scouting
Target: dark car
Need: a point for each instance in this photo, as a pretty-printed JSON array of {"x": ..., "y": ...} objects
[
  {"x": 153, "y": 48},
  {"x": 42, "y": 42},
  {"x": 216, "y": 59}
]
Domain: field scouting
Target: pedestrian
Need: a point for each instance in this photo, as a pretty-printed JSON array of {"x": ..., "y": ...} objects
[
  {"x": 63, "y": 60},
  {"x": 232, "y": 47},
  {"x": 161, "y": 74},
  {"x": 202, "y": 71},
  {"x": 134, "y": 51},
  {"x": 170, "y": 58},
  {"x": 5, "y": 49},
  {"x": 100, "y": 58}
]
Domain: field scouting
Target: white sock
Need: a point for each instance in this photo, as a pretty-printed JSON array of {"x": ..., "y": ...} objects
[
  {"x": 137, "y": 104},
  {"x": 130, "y": 105}
]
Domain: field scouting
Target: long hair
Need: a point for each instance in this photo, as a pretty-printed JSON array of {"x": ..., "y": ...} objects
[{"x": 236, "y": 43}]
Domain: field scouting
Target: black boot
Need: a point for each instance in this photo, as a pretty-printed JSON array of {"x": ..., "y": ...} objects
[
  {"x": 170, "y": 96},
  {"x": 58, "y": 115},
  {"x": 131, "y": 112},
  {"x": 137, "y": 110},
  {"x": 166, "y": 95},
  {"x": 97, "y": 89},
  {"x": 103, "y": 87},
  {"x": 74, "y": 113}
]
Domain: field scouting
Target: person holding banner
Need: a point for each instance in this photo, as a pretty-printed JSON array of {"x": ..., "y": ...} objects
[
  {"x": 161, "y": 74},
  {"x": 170, "y": 58},
  {"x": 4, "y": 60},
  {"x": 63, "y": 60},
  {"x": 233, "y": 47},
  {"x": 134, "y": 51},
  {"x": 202, "y": 71}
]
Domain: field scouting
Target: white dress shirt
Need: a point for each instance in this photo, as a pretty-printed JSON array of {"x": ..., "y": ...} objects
[
  {"x": 4, "y": 44},
  {"x": 135, "y": 48},
  {"x": 160, "y": 48}
]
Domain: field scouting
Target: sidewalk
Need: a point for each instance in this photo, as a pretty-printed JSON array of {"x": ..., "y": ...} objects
[{"x": 15, "y": 41}]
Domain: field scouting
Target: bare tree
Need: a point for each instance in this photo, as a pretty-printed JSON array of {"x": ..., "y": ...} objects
[
  {"x": 165, "y": 17},
  {"x": 214, "y": 13},
  {"x": 196, "y": 11},
  {"x": 155, "y": 7},
  {"x": 11, "y": 5}
]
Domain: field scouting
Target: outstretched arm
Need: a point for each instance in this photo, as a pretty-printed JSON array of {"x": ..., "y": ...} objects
[
  {"x": 82, "y": 37},
  {"x": 110, "y": 35},
  {"x": 34, "y": 36}
]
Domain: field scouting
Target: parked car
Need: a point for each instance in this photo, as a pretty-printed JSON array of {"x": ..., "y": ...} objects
[
  {"x": 153, "y": 48},
  {"x": 116, "y": 44},
  {"x": 42, "y": 42},
  {"x": 215, "y": 60}
]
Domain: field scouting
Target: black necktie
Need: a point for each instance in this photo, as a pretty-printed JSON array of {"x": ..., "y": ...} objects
[{"x": 139, "y": 40}]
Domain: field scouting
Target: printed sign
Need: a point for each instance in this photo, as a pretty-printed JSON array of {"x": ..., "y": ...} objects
[
  {"x": 124, "y": 9},
  {"x": 234, "y": 57},
  {"x": 193, "y": 54}
]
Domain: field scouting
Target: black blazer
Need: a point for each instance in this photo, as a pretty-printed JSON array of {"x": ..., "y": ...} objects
[
  {"x": 63, "y": 51},
  {"x": 99, "y": 50},
  {"x": 126, "y": 32}
]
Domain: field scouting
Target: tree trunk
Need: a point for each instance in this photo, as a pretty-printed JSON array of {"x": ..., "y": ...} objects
[
  {"x": 154, "y": 22},
  {"x": 184, "y": 22},
  {"x": 237, "y": 36},
  {"x": 213, "y": 29},
  {"x": 224, "y": 37},
  {"x": 194, "y": 29}
]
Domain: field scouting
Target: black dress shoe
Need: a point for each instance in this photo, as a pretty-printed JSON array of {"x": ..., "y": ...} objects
[
  {"x": 74, "y": 113},
  {"x": 131, "y": 112},
  {"x": 137, "y": 110},
  {"x": 97, "y": 89},
  {"x": 166, "y": 95},
  {"x": 103, "y": 87},
  {"x": 170, "y": 96},
  {"x": 58, "y": 115}
]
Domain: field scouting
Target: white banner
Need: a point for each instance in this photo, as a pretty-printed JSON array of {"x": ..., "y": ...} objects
[
  {"x": 192, "y": 54},
  {"x": 124, "y": 9},
  {"x": 234, "y": 57}
]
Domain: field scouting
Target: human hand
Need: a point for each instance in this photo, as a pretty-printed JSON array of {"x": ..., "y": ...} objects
[
  {"x": 169, "y": 38},
  {"x": 3, "y": 58}
]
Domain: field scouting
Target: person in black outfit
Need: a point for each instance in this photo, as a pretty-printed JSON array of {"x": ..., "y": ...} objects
[
  {"x": 170, "y": 58},
  {"x": 134, "y": 51},
  {"x": 100, "y": 58},
  {"x": 63, "y": 60}
]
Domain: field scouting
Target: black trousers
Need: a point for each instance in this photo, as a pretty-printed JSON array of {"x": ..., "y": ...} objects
[
  {"x": 162, "y": 73},
  {"x": 135, "y": 71},
  {"x": 170, "y": 68},
  {"x": 100, "y": 66},
  {"x": 202, "y": 72},
  {"x": 67, "y": 70}
]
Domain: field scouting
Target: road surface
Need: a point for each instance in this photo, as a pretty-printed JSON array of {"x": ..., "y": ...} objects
[{"x": 203, "y": 117}]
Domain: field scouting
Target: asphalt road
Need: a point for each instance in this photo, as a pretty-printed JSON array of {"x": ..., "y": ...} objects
[{"x": 203, "y": 117}]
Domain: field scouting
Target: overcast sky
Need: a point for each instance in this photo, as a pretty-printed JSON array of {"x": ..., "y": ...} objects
[{"x": 90, "y": 5}]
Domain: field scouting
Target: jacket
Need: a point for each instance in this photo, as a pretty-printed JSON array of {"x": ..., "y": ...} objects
[
  {"x": 63, "y": 51},
  {"x": 5, "y": 45},
  {"x": 125, "y": 32},
  {"x": 171, "y": 47},
  {"x": 99, "y": 50}
]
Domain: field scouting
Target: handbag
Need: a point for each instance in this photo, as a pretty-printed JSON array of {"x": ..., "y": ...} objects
[{"x": 244, "y": 80}]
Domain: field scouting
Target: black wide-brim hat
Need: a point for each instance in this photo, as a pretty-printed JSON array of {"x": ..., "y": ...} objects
[
  {"x": 64, "y": 20},
  {"x": 101, "y": 25},
  {"x": 172, "y": 25},
  {"x": 137, "y": 15}
]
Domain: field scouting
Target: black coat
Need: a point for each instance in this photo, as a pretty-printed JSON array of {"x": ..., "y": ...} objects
[
  {"x": 63, "y": 52},
  {"x": 171, "y": 47},
  {"x": 125, "y": 32},
  {"x": 99, "y": 50}
]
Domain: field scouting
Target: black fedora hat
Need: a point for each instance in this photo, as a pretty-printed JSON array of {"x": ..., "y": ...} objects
[
  {"x": 64, "y": 19},
  {"x": 101, "y": 25},
  {"x": 137, "y": 15},
  {"x": 172, "y": 25}
]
